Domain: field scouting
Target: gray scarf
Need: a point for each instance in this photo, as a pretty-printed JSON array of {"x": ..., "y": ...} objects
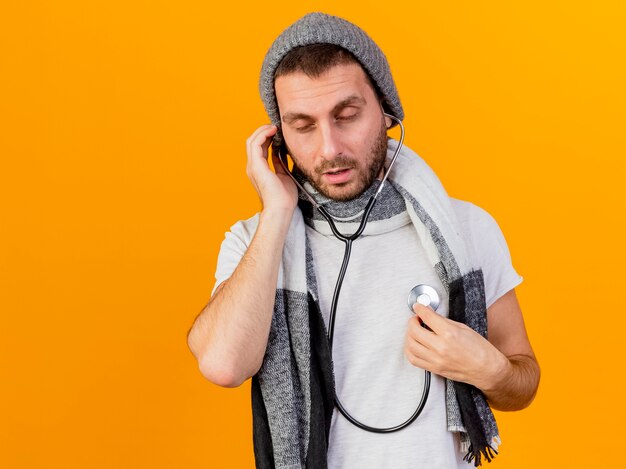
[{"x": 292, "y": 394}]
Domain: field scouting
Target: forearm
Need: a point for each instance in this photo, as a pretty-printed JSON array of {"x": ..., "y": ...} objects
[
  {"x": 514, "y": 386},
  {"x": 229, "y": 337}
]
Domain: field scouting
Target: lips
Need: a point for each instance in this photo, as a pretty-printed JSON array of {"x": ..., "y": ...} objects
[
  {"x": 335, "y": 170},
  {"x": 338, "y": 175}
]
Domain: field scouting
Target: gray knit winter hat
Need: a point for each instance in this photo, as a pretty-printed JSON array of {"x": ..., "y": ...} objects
[{"x": 320, "y": 28}]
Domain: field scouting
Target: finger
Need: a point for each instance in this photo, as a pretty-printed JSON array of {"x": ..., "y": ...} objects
[
  {"x": 419, "y": 356},
  {"x": 260, "y": 130},
  {"x": 418, "y": 350},
  {"x": 259, "y": 139},
  {"x": 257, "y": 145},
  {"x": 434, "y": 321},
  {"x": 419, "y": 334}
]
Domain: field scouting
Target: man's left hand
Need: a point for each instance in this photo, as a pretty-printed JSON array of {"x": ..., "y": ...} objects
[{"x": 453, "y": 350}]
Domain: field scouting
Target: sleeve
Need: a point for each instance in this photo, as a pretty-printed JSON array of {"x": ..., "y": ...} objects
[
  {"x": 493, "y": 253},
  {"x": 234, "y": 246}
]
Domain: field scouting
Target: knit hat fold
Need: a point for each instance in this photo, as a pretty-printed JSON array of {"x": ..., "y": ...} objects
[{"x": 320, "y": 28}]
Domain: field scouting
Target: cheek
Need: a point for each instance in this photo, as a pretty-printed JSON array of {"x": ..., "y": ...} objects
[
  {"x": 300, "y": 144},
  {"x": 300, "y": 154},
  {"x": 365, "y": 134}
]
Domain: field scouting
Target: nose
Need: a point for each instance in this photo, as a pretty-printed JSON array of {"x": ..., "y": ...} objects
[{"x": 330, "y": 145}]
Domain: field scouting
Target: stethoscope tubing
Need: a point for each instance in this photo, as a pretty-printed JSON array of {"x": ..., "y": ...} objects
[
  {"x": 347, "y": 240},
  {"x": 331, "y": 330}
]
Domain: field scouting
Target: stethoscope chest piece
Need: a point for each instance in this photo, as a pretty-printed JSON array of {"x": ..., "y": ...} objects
[{"x": 424, "y": 295}]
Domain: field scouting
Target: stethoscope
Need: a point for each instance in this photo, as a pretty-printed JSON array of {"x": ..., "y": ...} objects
[{"x": 423, "y": 294}]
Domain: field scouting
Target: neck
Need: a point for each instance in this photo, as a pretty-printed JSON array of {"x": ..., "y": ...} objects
[{"x": 388, "y": 203}]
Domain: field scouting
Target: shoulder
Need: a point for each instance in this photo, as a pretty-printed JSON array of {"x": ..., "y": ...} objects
[
  {"x": 243, "y": 230},
  {"x": 479, "y": 227},
  {"x": 470, "y": 214},
  {"x": 234, "y": 246},
  {"x": 477, "y": 223},
  {"x": 490, "y": 247},
  {"x": 237, "y": 240}
]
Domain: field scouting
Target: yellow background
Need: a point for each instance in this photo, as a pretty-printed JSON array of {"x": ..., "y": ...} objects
[{"x": 122, "y": 144}]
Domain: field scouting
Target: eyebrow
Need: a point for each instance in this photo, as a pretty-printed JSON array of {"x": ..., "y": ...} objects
[{"x": 290, "y": 117}]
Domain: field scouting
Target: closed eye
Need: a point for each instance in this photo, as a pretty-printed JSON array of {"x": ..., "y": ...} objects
[
  {"x": 348, "y": 117},
  {"x": 304, "y": 128}
]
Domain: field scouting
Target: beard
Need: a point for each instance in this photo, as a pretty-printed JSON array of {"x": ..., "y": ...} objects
[{"x": 364, "y": 175}]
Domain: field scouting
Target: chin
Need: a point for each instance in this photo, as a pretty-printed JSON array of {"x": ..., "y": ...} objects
[{"x": 342, "y": 194}]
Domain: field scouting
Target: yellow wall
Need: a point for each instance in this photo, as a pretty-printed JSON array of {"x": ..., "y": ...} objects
[{"x": 122, "y": 145}]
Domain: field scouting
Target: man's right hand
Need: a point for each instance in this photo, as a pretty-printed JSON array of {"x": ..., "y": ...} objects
[
  {"x": 229, "y": 336},
  {"x": 276, "y": 189}
]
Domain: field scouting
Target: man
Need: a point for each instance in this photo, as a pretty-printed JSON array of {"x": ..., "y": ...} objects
[{"x": 327, "y": 86}]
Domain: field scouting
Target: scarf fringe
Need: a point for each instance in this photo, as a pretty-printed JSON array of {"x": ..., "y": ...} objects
[{"x": 488, "y": 452}]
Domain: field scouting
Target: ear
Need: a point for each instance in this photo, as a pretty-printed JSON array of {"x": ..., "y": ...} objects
[{"x": 388, "y": 122}]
